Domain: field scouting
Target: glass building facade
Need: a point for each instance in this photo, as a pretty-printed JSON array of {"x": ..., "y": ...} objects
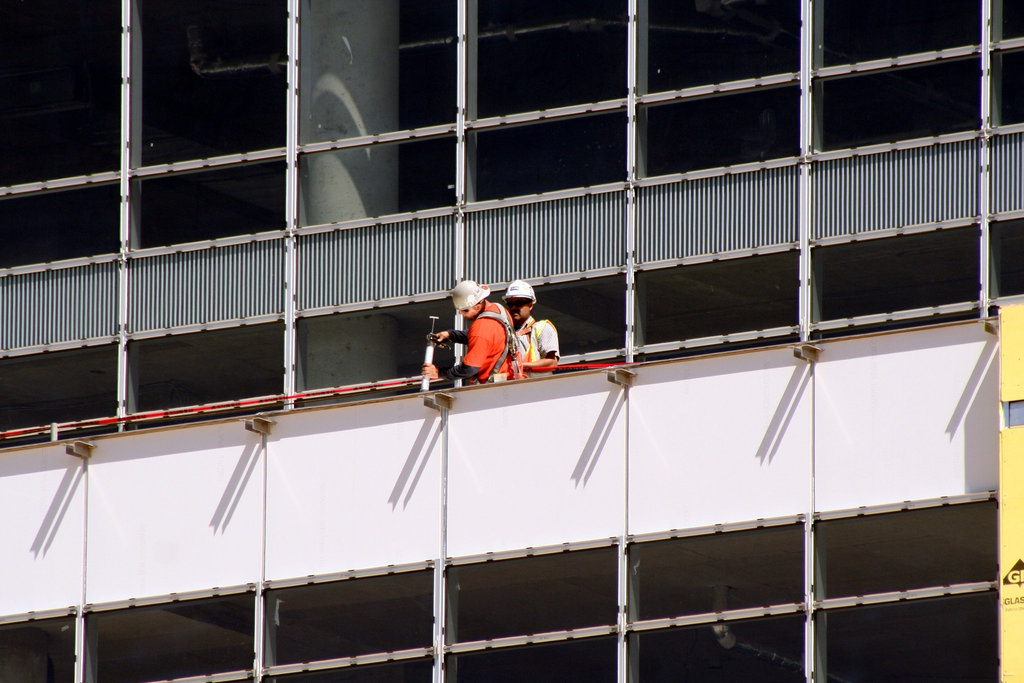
[{"x": 213, "y": 200}]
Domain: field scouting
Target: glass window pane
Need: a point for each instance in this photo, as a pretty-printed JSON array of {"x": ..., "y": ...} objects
[
  {"x": 897, "y": 104},
  {"x": 367, "y": 346},
  {"x": 369, "y": 67},
  {"x": 1007, "y": 257},
  {"x": 53, "y": 226},
  {"x": 555, "y": 155},
  {"x": 60, "y": 89},
  {"x": 696, "y": 43},
  {"x": 190, "y": 207},
  {"x": 1009, "y": 66},
  {"x": 896, "y": 273},
  {"x": 532, "y": 595},
  {"x": 722, "y": 297},
  {"x": 539, "y": 54},
  {"x": 859, "y": 30},
  {"x": 946, "y": 639},
  {"x": 904, "y": 550},
  {"x": 38, "y": 651},
  {"x": 1013, "y": 17},
  {"x": 207, "y": 367},
  {"x": 375, "y": 181},
  {"x": 188, "y": 638},
  {"x": 590, "y": 315},
  {"x": 756, "y": 125},
  {"x": 413, "y": 671},
  {"x": 757, "y": 651},
  {"x": 581, "y": 661},
  {"x": 87, "y": 387},
  {"x": 717, "y": 573},
  {"x": 214, "y": 76},
  {"x": 349, "y": 618}
]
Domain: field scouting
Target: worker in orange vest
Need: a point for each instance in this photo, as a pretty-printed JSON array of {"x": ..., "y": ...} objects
[
  {"x": 538, "y": 339},
  {"x": 492, "y": 354}
]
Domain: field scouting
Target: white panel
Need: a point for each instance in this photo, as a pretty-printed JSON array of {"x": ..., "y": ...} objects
[
  {"x": 719, "y": 440},
  {"x": 353, "y": 487},
  {"x": 536, "y": 463},
  {"x": 174, "y": 510},
  {"x": 906, "y": 416},
  {"x": 41, "y": 505}
]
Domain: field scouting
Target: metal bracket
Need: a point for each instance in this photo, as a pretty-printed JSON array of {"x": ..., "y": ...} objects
[
  {"x": 620, "y": 376},
  {"x": 80, "y": 449},
  {"x": 260, "y": 425},
  {"x": 807, "y": 352},
  {"x": 992, "y": 327},
  {"x": 439, "y": 401}
]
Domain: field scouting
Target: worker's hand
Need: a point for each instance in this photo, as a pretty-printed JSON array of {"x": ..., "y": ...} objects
[
  {"x": 439, "y": 339},
  {"x": 429, "y": 371}
]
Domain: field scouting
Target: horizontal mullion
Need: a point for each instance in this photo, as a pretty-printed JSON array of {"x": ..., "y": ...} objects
[
  {"x": 209, "y": 162},
  {"x": 171, "y": 598},
  {"x": 896, "y": 316},
  {"x": 918, "y": 229},
  {"x": 30, "y": 617},
  {"x": 889, "y": 62},
  {"x": 716, "y": 617},
  {"x": 378, "y": 139},
  {"x": 532, "y": 552},
  {"x": 61, "y": 183},
  {"x": 902, "y": 596},
  {"x": 539, "y": 115},
  {"x": 711, "y": 89},
  {"x": 388, "y": 570},
  {"x": 205, "y": 327},
  {"x": 700, "y": 342},
  {"x": 905, "y": 506},
  {"x": 534, "y": 639},
  {"x": 767, "y": 522},
  {"x": 348, "y": 662}
]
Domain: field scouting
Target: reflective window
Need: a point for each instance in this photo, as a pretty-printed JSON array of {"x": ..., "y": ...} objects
[
  {"x": 859, "y": 30},
  {"x": 717, "y": 573},
  {"x": 412, "y": 671},
  {"x": 755, "y": 125},
  {"x": 539, "y": 54},
  {"x": 40, "y": 651},
  {"x": 710, "y": 41},
  {"x": 757, "y": 651},
  {"x": 206, "y": 367},
  {"x": 592, "y": 660},
  {"x": 721, "y": 297},
  {"x": 375, "y": 181},
  {"x": 349, "y": 618},
  {"x": 189, "y": 207},
  {"x": 189, "y": 638},
  {"x": 366, "y": 346},
  {"x": 905, "y": 550},
  {"x": 532, "y": 595},
  {"x": 1007, "y": 239},
  {"x": 60, "y": 89},
  {"x": 589, "y": 314},
  {"x": 541, "y": 157},
  {"x": 896, "y": 273},
  {"x": 213, "y": 78},
  {"x": 372, "y": 67},
  {"x": 1012, "y": 25},
  {"x": 53, "y": 226},
  {"x": 1009, "y": 91},
  {"x": 31, "y": 396},
  {"x": 896, "y": 104},
  {"x": 945, "y": 639}
]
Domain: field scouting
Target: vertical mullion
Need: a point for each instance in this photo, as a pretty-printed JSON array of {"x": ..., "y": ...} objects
[
  {"x": 804, "y": 189},
  {"x": 634, "y": 63},
  {"x": 291, "y": 204},
  {"x": 984, "y": 162}
]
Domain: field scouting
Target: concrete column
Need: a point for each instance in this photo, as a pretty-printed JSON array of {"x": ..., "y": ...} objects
[
  {"x": 336, "y": 352},
  {"x": 23, "y": 656},
  {"x": 349, "y": 75}
]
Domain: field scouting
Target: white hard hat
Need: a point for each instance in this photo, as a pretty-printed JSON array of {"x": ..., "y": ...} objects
[
  {"x": 520, "y": 289},
  {"x": 468, "y": 294}
]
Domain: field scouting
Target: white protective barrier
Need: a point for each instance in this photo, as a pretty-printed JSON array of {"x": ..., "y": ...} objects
[{"x": 569, "y": 459}]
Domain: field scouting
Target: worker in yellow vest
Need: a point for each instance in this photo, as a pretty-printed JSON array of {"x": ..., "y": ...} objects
[{"x": 538, "y": 339}]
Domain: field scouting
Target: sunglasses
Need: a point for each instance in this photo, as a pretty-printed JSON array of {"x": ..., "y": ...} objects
[{"x": 516, "y": 303}]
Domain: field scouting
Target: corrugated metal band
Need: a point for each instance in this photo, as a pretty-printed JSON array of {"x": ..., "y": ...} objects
[
  {"x": 377, "y": 262},
  {"x": 717, "y": 214},
  {"x": 894, "y": 189},
  {"x": 206, "y": 285},
  {"x": 1007, "y": 178},
  {"x": 54, "y": 306},
  {"x": 551, "y": 238}
]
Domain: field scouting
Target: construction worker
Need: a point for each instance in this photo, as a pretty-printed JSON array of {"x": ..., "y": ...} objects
[
  {"x": 492, "y": 354},
  {"x": 538, "y": 339}
]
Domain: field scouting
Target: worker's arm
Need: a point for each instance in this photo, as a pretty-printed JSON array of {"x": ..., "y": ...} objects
[
  {"x": 546, "y": 364},
  {"x": 459, "y": 371}
]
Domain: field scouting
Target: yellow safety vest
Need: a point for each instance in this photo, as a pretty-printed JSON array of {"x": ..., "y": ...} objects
[{"x": 532, "y": 332}]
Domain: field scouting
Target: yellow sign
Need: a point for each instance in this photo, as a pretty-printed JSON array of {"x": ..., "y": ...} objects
[{"x": 1011, "y": 498}]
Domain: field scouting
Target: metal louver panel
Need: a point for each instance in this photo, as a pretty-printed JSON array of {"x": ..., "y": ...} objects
[
  {"x": 550, "y": 238},
  {"x": 717, "y": 214},
  {"x": 1007, "y": 173},
  {"x": 377, "y": 262},
  {"x": 895, "y": 189},
  {"x": 55, "y": 306},
  {"x": 206, "y": 285}
]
